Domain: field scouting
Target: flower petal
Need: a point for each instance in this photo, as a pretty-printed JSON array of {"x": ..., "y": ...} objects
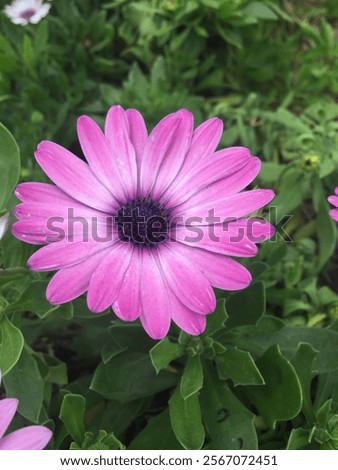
[
  {"x": 157, "y": 146},
  {"x": 217, "y": 166},
  {"x": 73, "y": 176},
  {"x": 204, "y": 142},
  {"x": 37, "y": 192},
  {"x": 64, "y": 254},
  {"x": 138, "y": 132},
  {"x": 8, "y": 407},
  {"x": 128, "y": 305},
  {"x": 58, "y": 208},
  {"x": 107, "y": 279},
  {"x": 117, "y": 131},
  {"x": 189, "y": 321},
  {"x": 186, "y": 281},
  {"x": 227, "y": 186},
  {"x": 155, "y": 315},
  {"x": 100, "y": 156},
  {"x": 29, "y": 438},
  {"x": 235, "y": 206},
  {"x": 230, "y": 240},
  {"x": 222, "y": 271},
  {"x": 69, "y": 283},
  {"x": 174, "y": 156}
]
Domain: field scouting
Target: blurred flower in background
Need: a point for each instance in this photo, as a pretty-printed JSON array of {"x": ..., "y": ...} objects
[
  {"x": 334, "y": 201},
  {"x": 27, "y": 11}
]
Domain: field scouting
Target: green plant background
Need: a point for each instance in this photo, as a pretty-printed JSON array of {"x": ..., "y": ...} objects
[{"x": 265, "y": 373}]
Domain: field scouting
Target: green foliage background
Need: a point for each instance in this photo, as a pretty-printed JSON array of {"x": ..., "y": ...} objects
[{"x": 265, "y": 373}]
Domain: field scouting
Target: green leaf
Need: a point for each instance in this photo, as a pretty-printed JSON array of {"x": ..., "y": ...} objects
[
  {"x": 103, "y": 441},
  {"x": 281, "y": 396},
  {"x": 72, "y": 415},
  {"x": 11, "y": 344},
  {"x": 185, "y": 417},
  {"x": 291, "y": 192},
  {"x": 24, "y": 382},
  {"x": 192, "y": 378},
  {"x": 259, "y": 10},
  {"x": 9, "y": 165},
  {"x": 246, "y": 307},
  {"x": 164, "y": 352},
  {"x": 133, "y": 377},
  {"x": 34, "y": 300},
  {"x": 28, "y": 54},
  {"x": 239, "y": 366},
  {"x": 271, "y": 331},
  {"x": 302, "y": 361},
  {"x": 158, "y": 434},
  {"x": 299, "y": 439},
  {"x": 229, "y": 424},
  {"x": 216, "y": 321}
]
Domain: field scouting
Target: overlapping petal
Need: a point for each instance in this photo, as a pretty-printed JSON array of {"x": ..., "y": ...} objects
[{"x": 73, "y": 176}]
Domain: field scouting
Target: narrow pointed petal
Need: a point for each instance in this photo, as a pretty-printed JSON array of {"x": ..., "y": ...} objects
[
  {"x": 204, "y": 142},
  {"x": 186, "y": 281},
  {"x": 235, "y": 206},
  {"x": 118, "y": 133},
  {"x": 64, "y": 254},
  {"x": 157, "y": 146},
  {"x": 37, "y": 192},
  {"x": 73, "y": 176},
  {"x": 8, "y": 407},
  {"x": 100, "y": 156},
  {"x": 127, "y": 305},
  {"x": 230, "y": 241},
  {"x": 107, "y": 279},
  {"x": 155, "y": 315},
  {"x": 57, "y": 208},
  {"x": 69, "y": 283},
  {"x": 29, "y": 438},
  {"x": 218, "y": 165},
  {"x": 175, "y": 155},
  {"x": 228, "y": 185},
  {"x": 138, "y": 133},
  {"x": 222, "y": 271}
]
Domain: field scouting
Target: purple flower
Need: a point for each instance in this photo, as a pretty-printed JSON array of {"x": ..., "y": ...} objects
[
  {"x": 334, "y": 201},
  {"x": 173, "y": 209}
]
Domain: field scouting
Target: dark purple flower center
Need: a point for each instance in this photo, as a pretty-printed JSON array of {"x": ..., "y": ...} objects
[
  {"x": 142, "y": 222},
  {"x": 27, "y": 14}
]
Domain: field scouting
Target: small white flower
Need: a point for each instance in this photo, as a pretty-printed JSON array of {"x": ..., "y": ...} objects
[
  {"x": 27, "y": 11},
  {"x": 4, "y": 220}
]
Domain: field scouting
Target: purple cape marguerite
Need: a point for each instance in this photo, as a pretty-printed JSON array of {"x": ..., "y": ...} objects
[{"x": 163, "y": 215}]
